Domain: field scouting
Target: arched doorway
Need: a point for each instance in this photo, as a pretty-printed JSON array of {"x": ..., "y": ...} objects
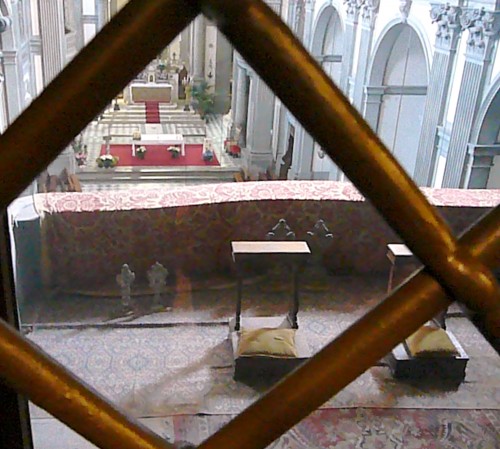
[
  {"x": 396, "y": 92},
  {"x": 484, "y": 167},
  {"x": 328, "y": 42},
  {"x": 327, "y": 46}
]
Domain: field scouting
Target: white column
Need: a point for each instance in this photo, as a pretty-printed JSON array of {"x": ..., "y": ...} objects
[
  {"x": 260, "y": 121},
  {"x": 241, "y": 104},
  {"x": 198, "y": 48},
  {"x": 184, "y": 55},
  {"x": 51, "y": 16},
  {"x": 447, "y": 35},
  {"x": 483, "y": 33}
]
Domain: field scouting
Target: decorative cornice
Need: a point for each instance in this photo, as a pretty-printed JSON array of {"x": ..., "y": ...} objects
[
  {"x": 404, "y": 9},
  {"x": 448, "y": 20},
  {"x": 369, "y": 11},
  {"x": 352, "y": 8},
  {"x": 483, "y": 26}
]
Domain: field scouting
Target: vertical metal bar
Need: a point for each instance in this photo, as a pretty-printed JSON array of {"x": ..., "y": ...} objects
[
  {"x": 350, "y": 354},
  {"x": 15, "y": 430},
  {"x": 52, "y": 387},
  {"x": 267, "y": 44},
  {"x": 83, "y": 89}
]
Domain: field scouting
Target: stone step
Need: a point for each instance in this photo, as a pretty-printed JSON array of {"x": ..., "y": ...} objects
[{"x": 152, "y": 174}]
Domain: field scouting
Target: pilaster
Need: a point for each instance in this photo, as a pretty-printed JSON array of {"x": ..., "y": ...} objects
[
  {"x": 373, "y": 101},
  {"x": 351, "y": 24},
  {"x": 483, "y": 27},
  {"x": 369, "y": 12},
  {"x": 303, "y": 155},
  {"x": 102, "y": 12},
  {"x": 51, "y": 19},
  {"x": 13, "y": 76},
  {"x": 479, "y": 173},
  {"x": 448, "y": 31}
]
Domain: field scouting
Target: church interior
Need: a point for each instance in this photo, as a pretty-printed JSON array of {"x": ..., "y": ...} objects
[{"x": 194, "y": 244}]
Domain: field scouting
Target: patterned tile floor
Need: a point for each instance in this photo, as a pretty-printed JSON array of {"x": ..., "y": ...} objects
[{"x": 138, "y": 358}]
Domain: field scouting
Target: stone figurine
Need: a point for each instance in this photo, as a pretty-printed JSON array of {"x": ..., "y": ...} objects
[{"x": 125, "y": 280}]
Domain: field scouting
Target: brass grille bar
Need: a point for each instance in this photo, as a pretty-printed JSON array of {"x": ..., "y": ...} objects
[
  {"x": 350, "y": 354},
  {"x": 84, "y": 88},
  {"x": 268, "y": 44}
]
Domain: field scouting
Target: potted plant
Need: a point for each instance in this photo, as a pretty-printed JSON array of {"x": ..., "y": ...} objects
[
  {"x": 107, "y": 161},
  {"x": 140, "y": 152},
  {"x": 203, "y": 100},
  {"x": 174, "y": 151}
]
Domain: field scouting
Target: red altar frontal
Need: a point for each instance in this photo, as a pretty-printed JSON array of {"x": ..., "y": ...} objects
[{"x": 86, "y": 237}]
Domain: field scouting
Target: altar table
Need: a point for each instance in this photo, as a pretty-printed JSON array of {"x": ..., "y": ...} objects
[
  {"x": 140, "y": 92},
  {"x": 159, "y": 139}
]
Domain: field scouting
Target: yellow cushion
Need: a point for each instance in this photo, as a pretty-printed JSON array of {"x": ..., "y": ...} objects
[
  {"x": 267, "y": 342},
  {"x": 430, "y": 341}
]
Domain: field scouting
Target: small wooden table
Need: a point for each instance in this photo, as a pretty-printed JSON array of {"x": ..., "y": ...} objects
[
  {"x": 294, "y": 253},
  {"x": 398, "y": 254}
]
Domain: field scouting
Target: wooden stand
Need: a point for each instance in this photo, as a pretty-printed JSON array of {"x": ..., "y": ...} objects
[{"x": 258, "y": 368}]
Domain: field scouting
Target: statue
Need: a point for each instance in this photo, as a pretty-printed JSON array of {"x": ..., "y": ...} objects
[
  {"x": 125, "y": 280},
  {"x": 157, "y": 277}
]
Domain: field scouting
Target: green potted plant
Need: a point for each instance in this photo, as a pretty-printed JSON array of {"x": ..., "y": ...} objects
[{"x": 203, "y": 100}]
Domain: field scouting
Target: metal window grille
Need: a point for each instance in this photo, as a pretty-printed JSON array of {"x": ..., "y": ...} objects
[{"x": 457, "y": 268}]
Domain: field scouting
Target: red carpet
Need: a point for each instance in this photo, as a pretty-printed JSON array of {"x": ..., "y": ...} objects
[
  {"x": 152, "y": 112},
  {"x": 157, "y": 155}
]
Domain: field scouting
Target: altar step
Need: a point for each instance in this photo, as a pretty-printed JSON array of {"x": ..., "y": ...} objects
[
  {"x": 142, "y": 119},
  {"x": 158, "y": 175}
]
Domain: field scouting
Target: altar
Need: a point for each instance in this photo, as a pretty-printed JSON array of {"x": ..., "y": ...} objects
[
  {"x": 159, "y": 139},
  {"x": 141, "y": 92}
]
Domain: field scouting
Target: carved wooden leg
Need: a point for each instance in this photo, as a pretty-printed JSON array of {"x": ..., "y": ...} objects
[
  {"x": 295, "y": 305},
  {"x": 238, "y": 303},
  {"x": 391, "y": 278}
]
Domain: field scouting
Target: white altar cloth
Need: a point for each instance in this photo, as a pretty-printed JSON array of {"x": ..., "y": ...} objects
[{"x": 159, "y": 139}]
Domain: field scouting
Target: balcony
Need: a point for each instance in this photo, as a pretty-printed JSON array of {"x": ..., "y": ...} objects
[{"x": 165, "y": 363}]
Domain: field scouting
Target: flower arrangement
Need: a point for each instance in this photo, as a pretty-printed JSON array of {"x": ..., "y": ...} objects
[
  {"x": 140, "y": 152},
  {"x": 174, "y": 151},
  {"x": 81, "y": 158},
  {"x": 107, "y": 161},
  {"x": 80, "y": 151}
]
